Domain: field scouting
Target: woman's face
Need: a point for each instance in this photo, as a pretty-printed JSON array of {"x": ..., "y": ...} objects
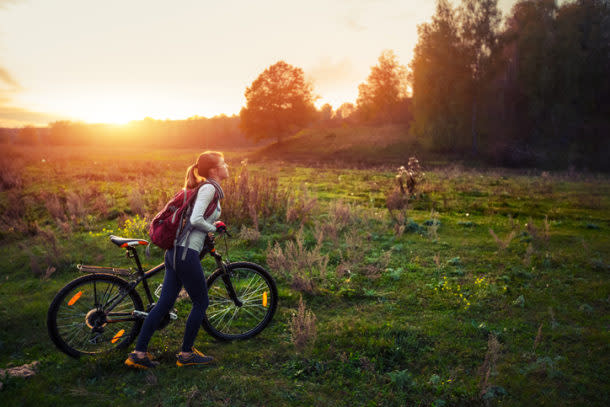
[{"x": 221, "y": 171}]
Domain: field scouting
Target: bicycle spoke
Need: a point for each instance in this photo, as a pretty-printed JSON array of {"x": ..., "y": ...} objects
[
  {"x": 232, "y": 316},
  {"x": 83, "y": 305},
  {"x": 256, "y": 296}
]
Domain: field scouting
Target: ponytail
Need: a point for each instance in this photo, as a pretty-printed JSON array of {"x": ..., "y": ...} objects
[
  {"x": 198, "y": 172},
  {"x": 192, "y": 179}
]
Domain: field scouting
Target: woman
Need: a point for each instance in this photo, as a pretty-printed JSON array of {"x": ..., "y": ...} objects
[{"x": 183, "y": 268}]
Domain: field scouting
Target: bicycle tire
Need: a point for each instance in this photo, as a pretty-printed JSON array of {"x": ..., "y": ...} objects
[
  {"x": 75, "y": 319},
  {"x": 255, "y": 287}
]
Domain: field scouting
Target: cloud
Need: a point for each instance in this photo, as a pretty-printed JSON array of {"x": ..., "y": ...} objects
[
  {"x": 6, "y": 77},
  {"x": 11, "y": 116},
  {"x": 327, "y": 72}
]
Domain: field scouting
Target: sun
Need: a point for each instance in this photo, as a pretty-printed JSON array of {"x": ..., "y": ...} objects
[{"x": 111, "y": 115}]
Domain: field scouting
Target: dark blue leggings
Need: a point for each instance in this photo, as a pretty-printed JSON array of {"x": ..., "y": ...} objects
[{"x": 189, "y": 273}]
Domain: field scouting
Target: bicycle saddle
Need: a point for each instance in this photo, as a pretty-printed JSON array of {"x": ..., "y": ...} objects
[{"x": 124, "y": 242}]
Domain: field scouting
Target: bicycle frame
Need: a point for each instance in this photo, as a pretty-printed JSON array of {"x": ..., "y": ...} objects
[{"x": 145, "y": 275}]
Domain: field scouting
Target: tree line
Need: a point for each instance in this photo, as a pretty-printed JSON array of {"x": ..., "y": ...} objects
[
  {"x": 529, "y": 89},
  {"x": 216, "y": 132},
  {"x": 532, "y": 89},
  {"x": 535, "y": 91}
]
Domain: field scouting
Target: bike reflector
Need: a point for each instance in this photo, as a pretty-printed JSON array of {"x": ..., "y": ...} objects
[
  {"x": 118, "y": 336},
  {"x": 75, "y": 298},
  {"x": 265, "y": 299}
]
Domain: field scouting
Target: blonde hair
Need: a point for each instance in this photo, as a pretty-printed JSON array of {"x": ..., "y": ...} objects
[{"x": 198, "y": 172}]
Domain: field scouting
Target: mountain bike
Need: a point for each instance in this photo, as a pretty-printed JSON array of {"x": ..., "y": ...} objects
[{"x": 102, "y": 311}]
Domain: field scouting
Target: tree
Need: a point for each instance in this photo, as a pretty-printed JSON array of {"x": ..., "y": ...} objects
[
  {"x": 480, "y": 21},
  {"x": 385, "y": 87},
  {"x": 279, "y": 101},
  {"x": 345, "y": 111},
  {"x": 28, "y": 135},
  {"x": 440, "y": 79}
]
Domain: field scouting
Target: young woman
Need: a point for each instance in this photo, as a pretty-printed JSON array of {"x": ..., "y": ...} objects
[{"x": 183, "y": 267}]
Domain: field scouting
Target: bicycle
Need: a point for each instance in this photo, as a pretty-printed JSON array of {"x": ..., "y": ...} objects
[{"x": 102, "y": 311}]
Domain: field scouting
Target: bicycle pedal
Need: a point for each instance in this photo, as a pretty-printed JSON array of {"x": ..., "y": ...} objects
[{"x": 141, "y": 314}]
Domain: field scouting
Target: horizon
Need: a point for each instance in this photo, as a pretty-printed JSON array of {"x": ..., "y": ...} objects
[{"x": 143, "y": 59}]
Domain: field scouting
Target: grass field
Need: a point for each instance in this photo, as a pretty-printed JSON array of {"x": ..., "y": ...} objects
[{"x": 490, "y": 288}]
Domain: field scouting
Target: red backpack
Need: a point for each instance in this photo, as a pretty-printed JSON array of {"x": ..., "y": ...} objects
[{"x": 167, "y": 225}]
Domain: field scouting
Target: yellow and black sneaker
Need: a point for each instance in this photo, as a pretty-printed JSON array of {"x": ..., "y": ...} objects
[
  {"x": 195, "y": 359},
  {"x": 140, "y": 363}
]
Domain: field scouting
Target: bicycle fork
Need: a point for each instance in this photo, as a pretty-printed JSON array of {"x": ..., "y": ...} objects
[{"x": 226, "y": 278}]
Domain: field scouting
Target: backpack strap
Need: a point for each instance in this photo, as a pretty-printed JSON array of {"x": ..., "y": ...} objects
[{"x": 208, "y": 212}]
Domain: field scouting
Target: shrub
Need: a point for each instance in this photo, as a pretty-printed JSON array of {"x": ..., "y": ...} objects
[
  {"x": 75, "y": 205},
  {"x": 302, "y": 327},
  {"x": 302, "y": 267},
  {"x": 10, "y": 175},
  {"x": 135, "y": 227},
  {"x": 253, "y": 198},
  {"x": 407, "y": 180},
  {"x": 299, "y": 208},
  {"x": 54, "y": 207}
]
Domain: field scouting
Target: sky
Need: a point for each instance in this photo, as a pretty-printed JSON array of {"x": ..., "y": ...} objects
[{"x": 117, "y": 61}]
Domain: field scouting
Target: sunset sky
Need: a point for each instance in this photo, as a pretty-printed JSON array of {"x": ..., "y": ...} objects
[{"x": 116, "y": 61}]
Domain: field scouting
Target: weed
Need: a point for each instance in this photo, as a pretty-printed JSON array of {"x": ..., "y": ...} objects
[
  {"x": 135, "y": 227},
  {"x": 437, "y": 260},
  {"x": 254, "y": 198},
  {"x": 249, "y": 234},
  {"x": 340, "y": 216},
  {"x": 397, "y": 200},
  {"x": 433, "y": 224},
  {"x": 10, "y": 175},
  {"x": 49, "y": 272},
  {"x": 488, "y": 368},
  {"x": 54, "y": 207},
  {"x": 302, "y": 327},
  {"x": 300, "y": 266},
  {"x": 136, "y": 202},
  {"x": 299, "y": 208},
  {"x": 503, "y": 243},
  {"x": 75, "y": 205}
]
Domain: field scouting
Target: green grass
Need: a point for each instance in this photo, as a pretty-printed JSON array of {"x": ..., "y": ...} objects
[{"x": 399, "y": 335}]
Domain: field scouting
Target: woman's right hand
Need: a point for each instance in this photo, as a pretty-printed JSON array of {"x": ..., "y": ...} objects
[{"x": 220, "y": 226}]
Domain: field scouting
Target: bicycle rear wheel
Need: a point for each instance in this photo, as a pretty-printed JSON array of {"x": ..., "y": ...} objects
[
  {"x": 254, "y": 287},
  {"x": 79, "y": 321}
]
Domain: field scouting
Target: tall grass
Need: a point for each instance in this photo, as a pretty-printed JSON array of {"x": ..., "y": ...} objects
[
  {"x": 253, "y": 198},
  {"x": 303, "y": 327},
  {"x": 304, "y": 268}
]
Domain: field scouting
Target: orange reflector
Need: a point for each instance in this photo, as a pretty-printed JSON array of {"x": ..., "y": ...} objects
[
  {"x": 75, "y": 298},
  {"x": 118, "y": 336},
  {"x": 265, "y": 299}
]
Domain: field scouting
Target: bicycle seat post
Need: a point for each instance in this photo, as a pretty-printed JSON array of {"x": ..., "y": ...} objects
[{"x": 132, "y": 252}]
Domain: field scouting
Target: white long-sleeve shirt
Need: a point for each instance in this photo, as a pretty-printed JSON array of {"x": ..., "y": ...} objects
[{"x": 200, "y": 225}]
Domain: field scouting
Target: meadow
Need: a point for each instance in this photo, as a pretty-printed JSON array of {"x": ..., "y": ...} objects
[{"x": 468, "y": 287}]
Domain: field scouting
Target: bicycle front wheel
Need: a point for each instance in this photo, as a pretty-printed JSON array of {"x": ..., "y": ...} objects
[
  {"x": 254, "y": 288},
  {"x": 80, "y": 320}
]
